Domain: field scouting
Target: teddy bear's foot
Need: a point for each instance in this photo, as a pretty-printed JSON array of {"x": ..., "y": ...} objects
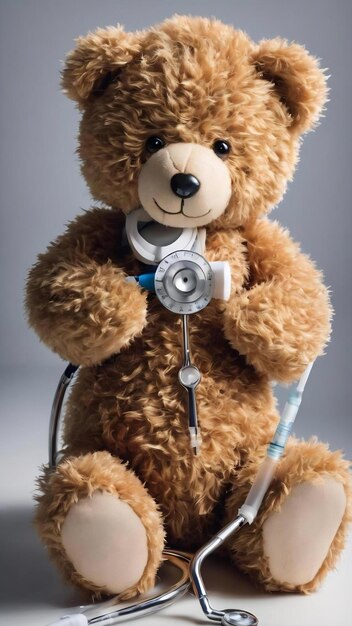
[
  {"x": 105, "y": 541},
  {"x": 297, "y": 538},
  {"x": 302, "y": 523},
  {"x": 100, "y": 525}
]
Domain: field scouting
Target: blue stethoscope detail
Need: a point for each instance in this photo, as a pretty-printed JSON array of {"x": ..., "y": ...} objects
[
  {"x": 145, "y": 281},
  {"x": 185, "y": 282}
]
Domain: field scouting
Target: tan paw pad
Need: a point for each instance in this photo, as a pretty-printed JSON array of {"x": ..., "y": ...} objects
[
  {"x": 105, "y": 541},
  {"x": 298, "y": 537}
]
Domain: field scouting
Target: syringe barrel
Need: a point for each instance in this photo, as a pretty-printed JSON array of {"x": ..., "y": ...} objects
[{"x": 258, "y": 490}]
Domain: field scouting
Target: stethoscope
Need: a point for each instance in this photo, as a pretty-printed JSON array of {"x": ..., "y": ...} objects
[{"x": 184, "y": 282}]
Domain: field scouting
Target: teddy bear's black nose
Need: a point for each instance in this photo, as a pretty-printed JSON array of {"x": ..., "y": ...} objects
[{"x": 184, "y": 185}]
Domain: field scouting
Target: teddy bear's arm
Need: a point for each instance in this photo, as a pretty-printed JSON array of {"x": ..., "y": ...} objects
[
  {"x": 77, "y": 298},
  {"x": 281, "y": 321}
]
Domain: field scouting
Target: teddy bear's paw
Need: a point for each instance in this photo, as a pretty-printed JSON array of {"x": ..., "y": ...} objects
[
  {"x": 106, "y": 542},
  {"x": 297, "y": 538},
  {"x": 100, "y": 525}
]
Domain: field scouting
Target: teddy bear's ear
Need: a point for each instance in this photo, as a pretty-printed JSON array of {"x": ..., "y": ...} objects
[
  {"x": 96, "y": 60},
  {"x": 297, "y": 78}
]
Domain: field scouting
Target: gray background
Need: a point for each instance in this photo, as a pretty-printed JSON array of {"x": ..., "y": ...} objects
[{"x": 41, "y": 189}]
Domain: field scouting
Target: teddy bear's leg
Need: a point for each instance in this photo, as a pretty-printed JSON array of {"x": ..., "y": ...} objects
[
  {"x": 100, "y": 524},
  {"x": 302, "y": 523}
]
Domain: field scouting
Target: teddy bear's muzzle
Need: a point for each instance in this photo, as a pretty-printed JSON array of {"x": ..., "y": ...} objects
[{"x": 184, "y": 185}]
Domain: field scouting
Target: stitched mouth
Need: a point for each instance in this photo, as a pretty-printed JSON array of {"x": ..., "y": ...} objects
[
  {"x": 180, "y": 211},
  {"x": 169, "y": 212}
]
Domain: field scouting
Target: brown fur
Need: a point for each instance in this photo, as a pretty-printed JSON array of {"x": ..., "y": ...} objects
[{"x": 191, "y": 80}]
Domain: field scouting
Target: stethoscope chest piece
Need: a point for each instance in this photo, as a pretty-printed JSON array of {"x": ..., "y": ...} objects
[
  {"x": 184, "y": 282},
  {"x": 238, "y": 618}
]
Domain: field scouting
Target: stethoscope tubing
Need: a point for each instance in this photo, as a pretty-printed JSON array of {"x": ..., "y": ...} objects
[{"x": 179, "y": 559}]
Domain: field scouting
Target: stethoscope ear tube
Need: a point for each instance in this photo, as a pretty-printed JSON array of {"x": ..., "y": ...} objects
[{"x": 55, "y": 414}]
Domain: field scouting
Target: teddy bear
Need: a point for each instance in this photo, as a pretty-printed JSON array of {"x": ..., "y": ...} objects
[{"x": 200, "y": 127}]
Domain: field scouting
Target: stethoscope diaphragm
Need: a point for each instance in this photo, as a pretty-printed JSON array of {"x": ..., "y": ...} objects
[{"x": 184, "y": 282}]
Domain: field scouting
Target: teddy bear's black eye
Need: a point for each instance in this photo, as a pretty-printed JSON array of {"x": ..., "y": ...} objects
[
  {"x": 154, "y": 143},
  {"x": 221, "y": 147}
]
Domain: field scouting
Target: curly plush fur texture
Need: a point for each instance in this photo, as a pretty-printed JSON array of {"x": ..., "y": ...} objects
[{"x": 188, "y": 80}]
